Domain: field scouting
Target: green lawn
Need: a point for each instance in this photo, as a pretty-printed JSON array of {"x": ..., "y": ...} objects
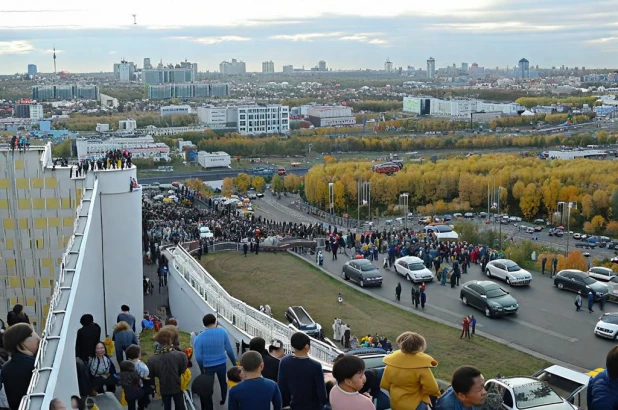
[
  {"x": 147, "y": 344},
  {"x": 282, "y": 280}
]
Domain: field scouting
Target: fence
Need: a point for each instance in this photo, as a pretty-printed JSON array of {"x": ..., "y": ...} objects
[{"x": 238, "y": 313}]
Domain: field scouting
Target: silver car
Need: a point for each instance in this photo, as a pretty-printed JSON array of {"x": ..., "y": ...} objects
[
  {"x": 601, "y": 273},
  {"x": 508, "y": 271}
]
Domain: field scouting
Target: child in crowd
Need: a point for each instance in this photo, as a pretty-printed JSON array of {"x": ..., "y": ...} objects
[
  {"x": 349, "y": 371},
  {"x": 134, "y": 354},
  {"x": 131, "y": 383},
  {"x": 234, "y": 376},
  {"x": 255, "y": 392}
]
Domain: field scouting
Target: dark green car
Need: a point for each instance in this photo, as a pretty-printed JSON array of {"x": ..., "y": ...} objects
[{"x": 488, "y": 297}]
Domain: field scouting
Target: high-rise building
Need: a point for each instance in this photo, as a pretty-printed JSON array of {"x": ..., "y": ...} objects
[
  {"x": 388, "y": 66},
  {"x": 147, "y": 65},
  {"x": 126, "y": 71},
  {"x": 65, "y": 92},
  {"x": 28, "y": 110},
  {"x": 184, "y": 72},
  {"x": 167, "y": 91},
  {"x": 268, "y": 67},
  {"x": 524, "y": 68},
  {"x": 431, "y": 68},
  {"x": 322, "y": 65},
  {"x": 288, "y": 69},
  {"x": 234, "y": 67},
  {"x": 32, "y": 70},
  {"x": 464, "y": 67}
]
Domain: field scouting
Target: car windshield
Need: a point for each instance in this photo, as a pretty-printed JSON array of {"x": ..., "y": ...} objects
[
  {"x": 612, "y": 319},
  {"x": 588, "y": 280},
  {"x": 416, "y": 266},
  {"x": 494, "y": 293},
  {"x": 443, "y": 229},
  {"x": 535, "y": 394},
  {"x": 373, "y": 362},
  {"x": 367, "y": 267},
  {"x": 513, "y": 268}
]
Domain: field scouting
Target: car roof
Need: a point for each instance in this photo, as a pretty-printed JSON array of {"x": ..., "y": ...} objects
[
  {"x": 573, "y": 271},
  {"x": 505, "y": 261},
  {"x": 411, "y": 259},
  {"x": 485, "y": 284},
  {"x": 364, "y": 351},
  {"x": 602, "y": 267},
  {"x": 518, "y": 380},
  {"x": 362, "y": 261}
]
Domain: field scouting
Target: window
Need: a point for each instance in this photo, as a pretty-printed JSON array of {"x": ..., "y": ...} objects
[
  {"x": 513, "y": 268},
  {"x": 367, "y": 267},
  {"x": 535, "y": 394},
  {"x": 612, "y": 319},
  {"x": 416, "y": 266},
  {"x": 495, "y": 292}
]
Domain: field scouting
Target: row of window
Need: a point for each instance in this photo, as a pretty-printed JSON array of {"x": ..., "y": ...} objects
[{"x": 38, "y": 243}]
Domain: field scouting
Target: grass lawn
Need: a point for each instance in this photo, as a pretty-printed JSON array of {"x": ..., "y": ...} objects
[
  {"x": 282, "y": 280},
  {"x": 147, "y": 344}
]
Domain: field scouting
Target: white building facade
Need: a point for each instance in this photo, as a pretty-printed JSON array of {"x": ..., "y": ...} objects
[
  {"x": 127, "y": 125},
  {"x": 247, "y": 120},
  {"x": 213, "y": 159},
  {"x": 455, "y": 107},
  {"x": 139, "y": 147},
  {"x": 175, "y": 110},
  {"x": 330, "y": 116}
]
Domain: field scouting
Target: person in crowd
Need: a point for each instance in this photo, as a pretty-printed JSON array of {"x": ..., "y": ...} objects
[
  {"x": 102, "y": 370},
  {"x": 87, "y": 337},
  {"x": 22, "y": 344},
  {"x": 467, "y": 391},
  {"x": 602, "y": 391},
  {"x": 212, "y": 348},
  {"x": 270, "y": 368},
  {"x": 131, "y": 384},
  {"x": 398, "y": 291},
  {"x": 134, "y": 354},
  {"x": 255, "y": 392},
  {"x": 235, "y": 375},
  {"x": 301, "y": 379},
  {"x": 126, "y": 316},
  {"x": 349, "y": 371},
  {"x": 123, "y": 338},
  {"x": 202, "y": 386},
  {"x": 173, "y": 322},
  {"x": 4, "y": 357},
  {"x": 168, "y": 364},
  {"x": 57, "y": 404},
  {"x": 590, "y": 302},
  {"x": 77, "y": 403},
  {"x": 578, "y": 301},
  {"x": 465, "y": 328},
  {"x": 276, "y": 350},
  {"x": 407, "y": 375},
  {"x": 17, "y": 315},
  {"x": 472, "y": 324}
]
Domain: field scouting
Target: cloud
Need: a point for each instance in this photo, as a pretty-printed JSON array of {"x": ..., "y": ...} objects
[
  {"x": 306, "y": 36},
  {"x": 212, "y": 40},
  {"x": 369, "y": 38},
  {"x": 16, "y": 47},
  {"x": 500, "y": 27},
  {"x": 51, "y": 51},
  {"x": 603, "y": 40},
  {"x": 112, "y": 52}
]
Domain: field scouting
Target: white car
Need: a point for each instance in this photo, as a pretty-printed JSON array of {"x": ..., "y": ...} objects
[
  {"x": 158, "y": 197},
  {"x": 413, "y": 269},
  {"x": 520, "y": 393},
  {"x": 173, "y": 197},
  {"x": 508, "y": 271},
  {"x": 607, "y": 326},
  {"x": 514, "y": 219},
  {"x": 601, "y": 273}
]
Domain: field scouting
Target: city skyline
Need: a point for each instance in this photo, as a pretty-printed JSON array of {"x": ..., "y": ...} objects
[{"x": 347, "y": 34}]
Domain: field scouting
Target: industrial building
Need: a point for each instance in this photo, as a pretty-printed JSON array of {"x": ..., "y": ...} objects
[
  {"x": 140, "y": 147},
  {"x": 127, "y": 125},
  {"x": 330, "y": 116},
  {"x": 247, "y": 120},
  {"x": 455, "y": 107},
  {"x": 28, "y": 110},
  {"x": 268, "y": 67},
  {"x": 175, "y": 110},
  {"x": 65, "y": 92},
  {"x": 213, "y": 159},
  {"x": 234, "y": 67},
  {"x": 185, "y": 91}
]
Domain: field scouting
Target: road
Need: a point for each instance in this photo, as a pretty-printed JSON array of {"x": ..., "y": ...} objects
[
  {"x": 546, "y": 322},
  {"x": 216, "y": 175}
]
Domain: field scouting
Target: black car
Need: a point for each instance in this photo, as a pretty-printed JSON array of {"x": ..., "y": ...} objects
[
  {"x": 578, "y": 281},
  {"x": 489, "y": 297},
  {"x": 298, "y": 316},
  {"x": 363, "y": 272}
]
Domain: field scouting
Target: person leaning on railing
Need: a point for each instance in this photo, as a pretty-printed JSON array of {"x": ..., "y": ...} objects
[{"x": 22, "y": 344}]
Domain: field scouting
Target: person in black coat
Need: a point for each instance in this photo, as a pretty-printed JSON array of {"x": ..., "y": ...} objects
[
  {"x": 87, "y": 337},
  {"x": 271, "y": 364},
  {"x": 22, "y": 344},
  {"x": 17, "y": 316}
]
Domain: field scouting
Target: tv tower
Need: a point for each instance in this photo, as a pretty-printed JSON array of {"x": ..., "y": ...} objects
[{"x": 54, "y": 60}]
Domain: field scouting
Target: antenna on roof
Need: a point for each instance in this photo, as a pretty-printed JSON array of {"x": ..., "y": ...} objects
[
  {"x": 54, "y": 61},
  {"x": 134, "y": 18}
]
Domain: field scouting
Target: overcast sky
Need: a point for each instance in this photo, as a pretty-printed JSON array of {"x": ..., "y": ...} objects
[{"x": 90, "y": 36}]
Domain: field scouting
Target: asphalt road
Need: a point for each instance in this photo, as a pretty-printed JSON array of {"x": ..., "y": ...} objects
[
  {"x": 216, "y": 175},
  {"x": 546, "y": 321}
]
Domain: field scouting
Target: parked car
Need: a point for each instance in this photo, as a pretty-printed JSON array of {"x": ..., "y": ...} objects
[
  {"x": 372, "y": 356},
  {"x": 514, "y": 219},
  {"x": 413, "y": 269},
  {"x": 612, "y": 245},
  {"x": 529, "y": 229},
  {"x": 520, "y": 393},
  {"x": 607, "y": 326},
  {"x": 489, "y": 297},
  {"x": 601, "y": 273},
  {"x": 578, "y": 281},
  {"x": 469, "y": 215},
  {"x": 569, "y": 384},
  {"x": 577, "y": 236},
  {"x": 612, "y": 285},
  {"x": 556, "y": 232},
  {"x": 298, "y": 316},
  {"x": 260, "y": 195},
  {"x": 538, "y": 228},
  {"x": 508, "y": 271},
  {"x": 539, "y": 222},
  {"x": 363, "y": 272},
  {"x": 252, "y": 195}
]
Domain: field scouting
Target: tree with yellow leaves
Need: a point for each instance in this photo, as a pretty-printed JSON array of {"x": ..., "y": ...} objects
[
  {"x": 227, "y": 187},
  {"x": 242, "y": 182},
  {"x": 258, "y": 183}
]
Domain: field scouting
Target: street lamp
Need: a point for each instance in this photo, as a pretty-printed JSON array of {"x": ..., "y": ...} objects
[
  {"x": 569, "y": 206},
  {"x": 331, "y": 198},
  {"x": 364, "y": 196},
  {"x": 499, "y": 219},
  {"x": 403, "y": 204}
]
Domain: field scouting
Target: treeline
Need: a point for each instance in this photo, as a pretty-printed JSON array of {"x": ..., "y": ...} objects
[
  {"x": 88, "y": 122},
  {"x": 552, "y": 119},
  {"x": 578, "y": 102},
  {"x": 531, "y": 187},
  {"x": 125, "y": 93}
]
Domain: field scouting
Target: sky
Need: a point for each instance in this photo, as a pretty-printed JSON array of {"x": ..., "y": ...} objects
[{"x": 348, "y": 34}]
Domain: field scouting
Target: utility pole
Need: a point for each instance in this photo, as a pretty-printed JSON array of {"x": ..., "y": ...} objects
[
  {"x": 569, "y": 205},
  {"x": 499, "y": 220}
]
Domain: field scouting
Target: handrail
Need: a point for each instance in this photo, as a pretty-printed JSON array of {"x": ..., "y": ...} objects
[{"x": 238, "y": 313}]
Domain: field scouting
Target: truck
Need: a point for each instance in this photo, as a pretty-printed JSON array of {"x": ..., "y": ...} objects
[{"x": 281, "y": 171}]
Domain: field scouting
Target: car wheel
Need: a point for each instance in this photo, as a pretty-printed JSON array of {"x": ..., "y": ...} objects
[
  {"x": 464, "y": 300},
  {"x": 560, "y": 286},
  {"x": 361, "y": 283},
  {"x": 344, "y": 276},
  {"x": 408, "y": 278},
  {"x": 396, "y": 271},
  {"x": 488, "y": 273},
  {"x": 487, "y": 312}
]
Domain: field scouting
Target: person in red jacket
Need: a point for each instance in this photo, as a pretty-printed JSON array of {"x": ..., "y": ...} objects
[{"x": 465, "y": 330}]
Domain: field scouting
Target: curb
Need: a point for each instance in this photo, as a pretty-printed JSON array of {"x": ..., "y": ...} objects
[{"x": 444, "y": 322}]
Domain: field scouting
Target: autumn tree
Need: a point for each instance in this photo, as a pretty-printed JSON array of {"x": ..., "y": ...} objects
[
  {"x": 596, "y": 225},
  {"x": 612, "y": 229},
  {"x": 587, "y": 206},
  {"x": 277, "y": 184},
  {"x": 601, "y": 201},
  {"x": 551, "y": 192},
  {"x": 258, "y": 183},
  {"x": 518, "y": 189},
  {"x": 242, "y": 182},
  {"x": 227, "y": 187},
  {"x": 530, "y": 201}
]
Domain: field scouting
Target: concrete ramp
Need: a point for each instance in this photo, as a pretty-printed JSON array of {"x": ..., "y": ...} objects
[{"x": 107, "y": 401}]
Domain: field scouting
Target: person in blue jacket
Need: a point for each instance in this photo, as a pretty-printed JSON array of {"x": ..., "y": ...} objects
[{"x": 602, "y": 391}]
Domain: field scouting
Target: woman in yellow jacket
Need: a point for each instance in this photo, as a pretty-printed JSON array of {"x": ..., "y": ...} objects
[{"x": 407, "y": 376}]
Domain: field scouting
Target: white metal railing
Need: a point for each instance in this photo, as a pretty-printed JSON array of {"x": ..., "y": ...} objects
[
  {"x": 50, "y": 326},
  {"x": 238, "y": 313}
]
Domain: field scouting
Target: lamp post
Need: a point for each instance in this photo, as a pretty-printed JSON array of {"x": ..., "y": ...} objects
[
  {"x": 364, "y": 197},
  {"x": 403, "y": 204},
  {"x": 569, "y": 205},
  {"x": 500, "y": 220},
  {"x": 331, "y": 198}
]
